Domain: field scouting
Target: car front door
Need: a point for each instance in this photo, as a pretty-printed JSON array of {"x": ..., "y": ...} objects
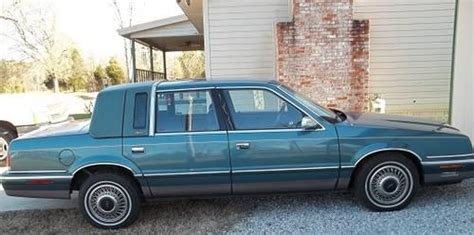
[
  {"x": 188, "y": 153},
  {"x": 269, "y": 149}
]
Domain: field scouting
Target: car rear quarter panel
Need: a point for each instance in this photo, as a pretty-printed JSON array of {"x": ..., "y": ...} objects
[{"x": 43, "y": 158}]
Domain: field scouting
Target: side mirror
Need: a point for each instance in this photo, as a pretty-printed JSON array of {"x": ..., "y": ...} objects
[{"x": 309, "y": 123}]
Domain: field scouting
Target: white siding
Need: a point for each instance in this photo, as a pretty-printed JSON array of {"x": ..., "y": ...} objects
[
  {"x": 463, "y": 90},
  {"x": 240, "y": 37},
  {"x": 410, "y": 53}
]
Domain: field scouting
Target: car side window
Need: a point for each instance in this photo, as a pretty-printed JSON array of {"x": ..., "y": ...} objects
[
  {"x": 140, "y": 113},
  {"x": 187, "y": 111},
  {"x": 261, "y": 109}
]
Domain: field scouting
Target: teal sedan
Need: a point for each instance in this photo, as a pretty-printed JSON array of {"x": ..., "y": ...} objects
[{"x": 175, "y": 139}]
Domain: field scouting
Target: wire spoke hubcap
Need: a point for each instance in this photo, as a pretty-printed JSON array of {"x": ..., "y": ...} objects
[
  {"x": 389, "y": 184},
  {"x": 3, "y": 148},
  {"x": 108, "y": 203}
]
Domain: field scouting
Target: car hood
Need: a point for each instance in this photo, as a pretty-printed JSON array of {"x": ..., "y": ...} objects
[
  {"x": 398, "y": 122},
  {"x": 61, "y": 129}
]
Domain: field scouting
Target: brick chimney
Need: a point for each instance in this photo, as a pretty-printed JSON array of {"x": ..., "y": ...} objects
[{"x": 324, "y": 53}]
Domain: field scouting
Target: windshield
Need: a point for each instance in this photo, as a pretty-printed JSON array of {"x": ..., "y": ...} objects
[{"x": 320, "y": 110}]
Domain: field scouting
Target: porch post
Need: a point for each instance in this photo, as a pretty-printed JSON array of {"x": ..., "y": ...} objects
[
  {"x": 164, "y": 65},
  {"x": 134, "y": 62},
  {"x": 151, "y": 59}
]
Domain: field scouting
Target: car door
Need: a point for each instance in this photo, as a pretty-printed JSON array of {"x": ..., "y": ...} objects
[
  {"x": 270, "y": 151},
  {"x": 187, "y": 154}
]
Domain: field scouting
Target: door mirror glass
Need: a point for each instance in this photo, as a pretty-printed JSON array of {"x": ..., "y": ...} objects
[{"x": 309, "y": 123}]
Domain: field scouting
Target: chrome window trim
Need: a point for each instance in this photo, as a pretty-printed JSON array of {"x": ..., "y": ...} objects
[
  {"x": 286, "y": 92},
  {"x": 322, "y": 127},
  {"x": 451, "y": 156},
  {"x": 186, "y": 89},
  {"x": 103, "y": 164},
  {"x": 448, "y": 162},
  {"x": 387, "y": 149},
  {"x": 152, "y": 109},
  {"x": 270, "y": 130},
  {"x": 285, "y": 169},
  {"x": 37, "y": 172},
  {"x": 189, "y": 133},
  {"x": 187, "y": 173}
]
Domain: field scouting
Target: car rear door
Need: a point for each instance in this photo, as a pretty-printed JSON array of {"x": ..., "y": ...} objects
[
  {"x": 187, "y": 152},
  {"x": 269, "y": 150}
]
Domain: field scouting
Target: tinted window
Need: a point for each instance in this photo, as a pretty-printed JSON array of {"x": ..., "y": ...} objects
[
  {"x": 140, "y": 112},
  {"x": 185, "y": 111},
  {"x": 261, "y": 109}
]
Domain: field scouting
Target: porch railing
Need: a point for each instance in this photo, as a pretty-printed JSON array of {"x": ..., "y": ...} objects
[{"x": 147, "y": 75}]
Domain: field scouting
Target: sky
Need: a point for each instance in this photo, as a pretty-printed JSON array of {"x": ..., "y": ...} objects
[{"x": 92, "y": 26}]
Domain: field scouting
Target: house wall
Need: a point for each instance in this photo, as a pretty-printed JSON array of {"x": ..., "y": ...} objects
[
  {"x": 411, "y": 43},
  {"x": 240, "y": 38},
  {"x": 324, "y": 53},
  {"x": 463, "y": 89}
]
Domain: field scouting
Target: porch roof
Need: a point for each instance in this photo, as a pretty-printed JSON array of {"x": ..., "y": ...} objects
[{"x": 175, "y": 33}]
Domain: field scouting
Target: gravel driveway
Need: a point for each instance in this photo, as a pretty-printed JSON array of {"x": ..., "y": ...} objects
[{"x": 435, "y": 210}]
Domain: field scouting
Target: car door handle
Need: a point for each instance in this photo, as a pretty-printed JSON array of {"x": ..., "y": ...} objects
[
  {"x": 242, "y": 145},
  {"x": 138, "y": 150}
]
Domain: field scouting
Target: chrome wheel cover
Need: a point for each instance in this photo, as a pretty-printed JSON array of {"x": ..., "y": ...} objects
[
  {"x": 389, "y": 184},
  {"x": 3, "y": 148},
  {"x": 107, "y": 203}
]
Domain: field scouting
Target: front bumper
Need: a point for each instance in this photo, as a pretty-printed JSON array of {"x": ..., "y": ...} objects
[
  {"x": 36, "y": 185},
  {"x": 448, "y": 170}
]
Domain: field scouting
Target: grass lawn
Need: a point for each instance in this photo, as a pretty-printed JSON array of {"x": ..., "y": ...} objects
[{"x": 81, "y": 116}]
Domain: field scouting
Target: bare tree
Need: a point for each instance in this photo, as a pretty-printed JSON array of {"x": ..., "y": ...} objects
[
  {"x": 124, "y": 20},
  {"x": 35, "y": 37}
]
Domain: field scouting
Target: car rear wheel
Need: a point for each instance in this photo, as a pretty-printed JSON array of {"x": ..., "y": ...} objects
[
  {"x": 387, "y": 182},
  {"x": 109, "y": 200},
  {"x": 6, "y": 136}
]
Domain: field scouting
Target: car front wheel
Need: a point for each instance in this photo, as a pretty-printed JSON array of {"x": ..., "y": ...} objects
[
  {"x": 6, "y": 137},
  {"x": 109, "y": 200},
  {"x": 386, "y": 182}
]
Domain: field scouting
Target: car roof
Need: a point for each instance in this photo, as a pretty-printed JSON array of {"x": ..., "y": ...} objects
[
  {"x": 188, "y": 84},
  {"x": 198, "y": 83}
]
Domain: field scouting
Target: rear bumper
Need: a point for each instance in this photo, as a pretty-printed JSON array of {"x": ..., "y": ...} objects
[
  {"x": 36, "y": 186},
  {"x": 445, "y": 171}
]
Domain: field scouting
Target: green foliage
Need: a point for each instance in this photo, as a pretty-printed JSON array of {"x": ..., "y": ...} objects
[
  {"x": 189, "y": 64},
  {"x": 100, "y": 78},
  {"x": 78, "y": 73},
  {"x": 115, "y": 72},
  {"x": 13, "y": 76}
]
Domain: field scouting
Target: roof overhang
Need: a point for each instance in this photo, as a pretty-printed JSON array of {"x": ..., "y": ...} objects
[
  {"x": 193, "y": 10},
  {"x": 175, "y": 33}
]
